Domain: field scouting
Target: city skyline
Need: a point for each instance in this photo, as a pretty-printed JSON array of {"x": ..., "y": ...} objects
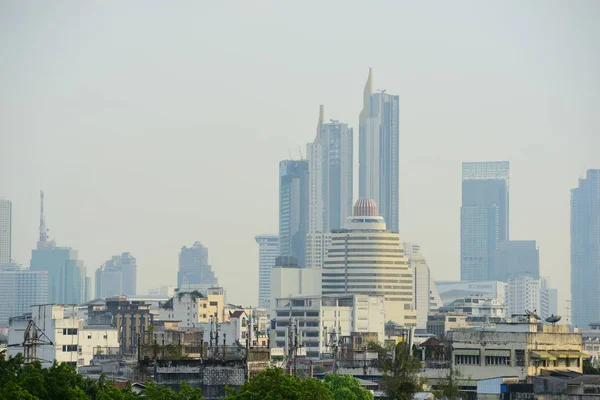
[{"x": 527, "y": 97}]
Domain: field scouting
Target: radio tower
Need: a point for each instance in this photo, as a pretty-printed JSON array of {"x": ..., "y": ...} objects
[{"x": 43, "y": 242}]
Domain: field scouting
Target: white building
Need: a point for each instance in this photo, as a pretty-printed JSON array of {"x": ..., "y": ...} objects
[
  {"x": 5, "y": 231},
  {"x": 293, "y": 281},
  {"x": 528, "y": 293},
  {"x": 319, "y": 316},
  {"x": 317, "y": 245},
  {"x": 62, "y": 336},
  {"x": 191, "y": 309},
  {"x": 365, "y": 258},
  {"x": 268, "y": 250},
  {"x": 19, "y": 290},
  {"x": 234, "y": 332},
  {"x": 478, "y": 308},
  {"x": 452, "y": 290},
  {"x": 427, "y": 298}
]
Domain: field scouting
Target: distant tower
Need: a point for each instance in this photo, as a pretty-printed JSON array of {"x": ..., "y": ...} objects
[
  {"x": 484, "y": 216},
  {"x": 585, "y": 250},
  {"x": 293, "y": 209},
  {"x": 194, "y": 271},
  {"x": 67, "y": 279},
  {"x": 5, "y": 231},
  {"x": 379, "y": 151},
  {"x": 117, "y": 277},
  {"x": 268, "y": 250}
]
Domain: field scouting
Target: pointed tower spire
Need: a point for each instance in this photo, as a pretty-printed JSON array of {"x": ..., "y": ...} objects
[
  {"x": 321, "y": 121},
  {"x": 43, "y": 232},
  {"x": 367, "y": 94}
]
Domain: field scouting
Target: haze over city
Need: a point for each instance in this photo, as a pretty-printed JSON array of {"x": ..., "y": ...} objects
[{"x": 150, "y": 127}]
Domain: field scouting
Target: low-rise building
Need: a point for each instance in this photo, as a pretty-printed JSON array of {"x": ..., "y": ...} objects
[
  {"x": 439, "y": 324},
  {"x": 453, "y": 290},
  {"x": 193, "y": 308},
  {"x": 478, "y": 308},
  {"x": 515, "y": 349},
  {"x": 317, "y": 317},
  {"x": 61, "y": 336},
  {"x": 289, "y": 280}
]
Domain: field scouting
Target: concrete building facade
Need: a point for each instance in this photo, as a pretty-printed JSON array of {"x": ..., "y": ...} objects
[
  {"x": 366, "y": 258},
  {"x": 317, "y": 245},
  {"x": 268, "y": 250},
  {"x": 452, "y": 290},
  {"x": 319, "y": 316},
  {"x": 585, "y": 250},
  {"x": 291, "y": 281},
  {"x": 484, "y": 216},
  {"x": 191, "y": 309},
  {"x": 63, "y": 336},
  {"x": 427, "y": 299}
]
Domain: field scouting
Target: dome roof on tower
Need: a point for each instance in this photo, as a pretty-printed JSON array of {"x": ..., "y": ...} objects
[{"x": 365, "y": 208}]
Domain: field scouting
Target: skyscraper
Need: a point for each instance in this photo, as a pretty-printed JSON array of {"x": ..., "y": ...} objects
[
  {"x": 194, "y": 270},
  {"x": 585, "y": 250},
  {"x": 293, "y": 209},
  {"x": 366, "y": 258},
  {"x": 483, "y": 216},
  {"x": 513, "y": 258},
  {"x": 379, "y": 148},
  {"x": 67, "y": 279},
  {"x": 268, "y": 250},
  {"x": 330, "y": 165},
  {"x": 117, "y": 276},
  {"x": 19, "y": 290},
  {"x": 5, "y": 231}
]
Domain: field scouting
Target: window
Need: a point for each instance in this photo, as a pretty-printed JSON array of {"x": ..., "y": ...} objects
[
  {"x": 89, "y": 336},
  {"x": 213, "y": 303},
  {"x": 69, "y": 347},
  {"x": 493, "y": 360},
  {"x": 70, "y": 331},
  {"x": 520, "y": 358},
  {"x": 467, "y": 360},
  {"x": 452, "y": 319}
]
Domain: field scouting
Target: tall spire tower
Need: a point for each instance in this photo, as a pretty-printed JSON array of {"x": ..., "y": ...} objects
[
  {"x": 379, "y": 168},
  {"x": 43, "y": 242}
]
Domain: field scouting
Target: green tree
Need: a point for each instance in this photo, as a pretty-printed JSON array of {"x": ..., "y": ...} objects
[
  {"x": 448, "y": 388},
  {"x": 400, "y": 379},
  {"x": 346, "y": 387},
  {"x": 274, "y": 384}
]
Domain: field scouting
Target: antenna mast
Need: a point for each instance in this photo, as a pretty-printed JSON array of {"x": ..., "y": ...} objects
[{"x": 43, "y": 231}]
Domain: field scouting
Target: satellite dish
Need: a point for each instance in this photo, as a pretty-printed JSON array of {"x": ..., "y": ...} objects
[{"x": 553, "y": 319}]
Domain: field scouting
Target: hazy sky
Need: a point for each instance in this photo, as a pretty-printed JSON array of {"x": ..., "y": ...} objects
[{"x": 153, "y": 124}]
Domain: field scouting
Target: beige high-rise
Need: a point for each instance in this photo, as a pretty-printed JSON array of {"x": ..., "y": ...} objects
[{"x": 366, "y": 258}]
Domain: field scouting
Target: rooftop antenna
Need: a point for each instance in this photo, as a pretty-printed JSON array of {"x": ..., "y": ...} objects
[
  {"x": 43, "y": 238},
  {"x": 300, "y": 150},
  {"x": 290, "y": 152}
]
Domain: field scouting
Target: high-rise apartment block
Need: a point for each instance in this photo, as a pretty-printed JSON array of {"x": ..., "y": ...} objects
[
  {"x": 117, "y": 277},
  {"x": 268, "y": 250},
  {"x": 67, "y": 279},
  {"x": 317, "y": 245},
  {"x": 194, "y": 271},
  {"x": 527, "y": 293},
  {"x": 5, "y": 231},
  {"x": 19, "y": 290},
  {"x": 330, "y": 165},
  {"x": 293, "y": 209},
  {"x": 484, "y": 216},
  {"x": 585, "y": 250},
  {"x": 379, "y": 152},
  {"x": 366, "y": 258},
  {"x": 514, "y": 258},
  {"x": 427, "y": 298}
]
